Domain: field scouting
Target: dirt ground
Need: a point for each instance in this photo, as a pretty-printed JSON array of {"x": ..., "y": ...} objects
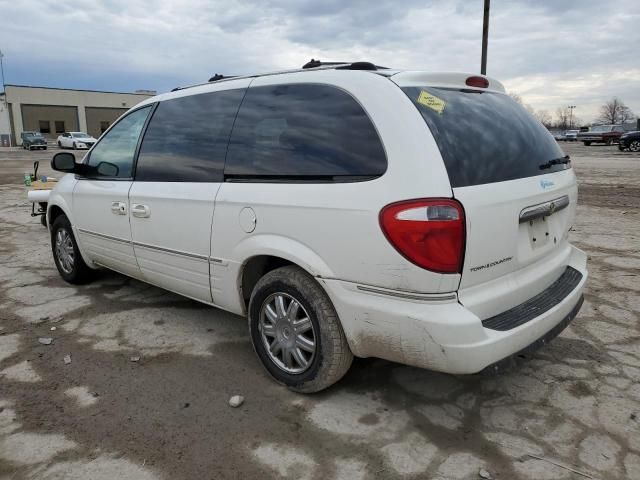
[{"x": 571, "y": 411}]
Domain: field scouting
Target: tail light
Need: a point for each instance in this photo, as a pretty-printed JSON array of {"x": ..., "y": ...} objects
[{"x": 428, "y": 232}]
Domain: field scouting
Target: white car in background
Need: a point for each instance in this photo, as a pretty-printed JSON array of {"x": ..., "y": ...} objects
[
  {"x": 571, "y": 135},
  {"x": 76, "y": 140}
]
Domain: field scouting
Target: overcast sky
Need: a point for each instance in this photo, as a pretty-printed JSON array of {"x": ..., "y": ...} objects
[{"x": 551, "y": 52}]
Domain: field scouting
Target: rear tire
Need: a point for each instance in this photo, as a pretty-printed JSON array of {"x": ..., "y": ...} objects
[
  {"x": 609, "y": 142},
  {"x": 66, "y": 254},
  {"x": 586, "y": 144},
  {"x": 277, "y": 342},
  {"x": 59, "y": 144}
]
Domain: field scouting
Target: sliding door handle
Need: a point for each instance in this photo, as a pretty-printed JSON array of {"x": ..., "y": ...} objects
[{"x": 140, "y": 211}]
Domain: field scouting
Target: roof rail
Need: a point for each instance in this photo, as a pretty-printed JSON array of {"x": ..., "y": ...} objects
[
  {"x": 343, "y": 65},
  {"x": 218, "y": 76}
]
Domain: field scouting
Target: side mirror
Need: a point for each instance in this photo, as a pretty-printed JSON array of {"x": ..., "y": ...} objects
[
  {"x": 106, "y": 169},
  {"x": 64, "y": 162}
]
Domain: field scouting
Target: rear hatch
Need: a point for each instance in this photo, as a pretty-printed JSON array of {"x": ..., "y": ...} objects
[{"x": 516, "y": 187}]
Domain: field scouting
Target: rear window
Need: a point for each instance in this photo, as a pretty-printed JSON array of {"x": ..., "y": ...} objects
[
  {"x": 485, "y": 137},
  {"x": 303, "y": 132}
]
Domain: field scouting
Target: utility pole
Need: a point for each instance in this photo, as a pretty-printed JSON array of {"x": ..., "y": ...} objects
[
  {"x": 485, "y": 37},
  {"x": 2, "y": 71},
  {"x": 571, "y": 107}
]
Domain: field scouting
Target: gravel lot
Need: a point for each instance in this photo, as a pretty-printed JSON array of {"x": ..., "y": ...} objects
[{"x": 572, "y": 411}]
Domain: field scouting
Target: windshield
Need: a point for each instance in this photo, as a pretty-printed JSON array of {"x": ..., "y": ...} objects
[
  {"x": 36, "y": 135},
  {"x": 80, "y": 135},
  {"x": 486, "y": 137}
]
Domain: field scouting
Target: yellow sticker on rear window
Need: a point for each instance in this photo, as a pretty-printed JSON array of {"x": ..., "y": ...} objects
[{"x": 431, "y": 101}]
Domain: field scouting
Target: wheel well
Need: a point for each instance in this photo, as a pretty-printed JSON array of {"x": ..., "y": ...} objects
[
  {"x": 54, "y": 212},
  {"x": 254, "y": 269}
]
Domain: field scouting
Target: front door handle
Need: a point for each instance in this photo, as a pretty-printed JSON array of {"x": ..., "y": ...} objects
[
  {"x": 119, "y": 208},
  {"x": 140, "y": 211}
]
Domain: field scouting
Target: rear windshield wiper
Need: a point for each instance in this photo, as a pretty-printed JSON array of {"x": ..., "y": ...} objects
[{"x": 555, "y": 161}]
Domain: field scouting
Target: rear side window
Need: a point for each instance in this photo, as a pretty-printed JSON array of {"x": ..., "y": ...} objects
[
  {"x": 303, "y": 132},
  {"x": 485, "y": 137},
  {"x": 186, "y": 140}
]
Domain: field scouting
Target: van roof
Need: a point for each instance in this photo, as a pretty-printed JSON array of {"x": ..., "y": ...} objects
[{"x": 400, "y": 77}]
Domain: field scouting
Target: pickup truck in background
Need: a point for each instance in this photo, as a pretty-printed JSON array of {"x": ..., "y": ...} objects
[{"x": 607, "y": 134}]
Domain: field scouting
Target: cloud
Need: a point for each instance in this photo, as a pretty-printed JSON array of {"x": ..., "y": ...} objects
[{"x": 550, "y": 52}]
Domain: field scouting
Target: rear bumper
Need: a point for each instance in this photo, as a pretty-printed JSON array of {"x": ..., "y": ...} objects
[
  {"x": 439, "y": 333},
  {"x": 512, "y": 360}
]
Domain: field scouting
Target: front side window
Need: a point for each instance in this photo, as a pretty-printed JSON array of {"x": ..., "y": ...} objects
[
  {"x": 118, "y": 147},
  {"x": 303, "y": 132},
  {"x": 187, "y": 138}
]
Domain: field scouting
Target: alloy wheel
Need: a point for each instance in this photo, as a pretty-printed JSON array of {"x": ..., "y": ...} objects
[
  {"x": 287, "y": 333},
  {"x": 635, "y": 146},
  {"x": 64, "y": 250}
]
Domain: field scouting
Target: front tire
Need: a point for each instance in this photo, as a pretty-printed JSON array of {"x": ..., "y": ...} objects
[
  {"x": 586, "y": 144},
  {"x": 634, "y": 146},
  {"x": 296, "y": 332},
  {"x": 75, "y": 147},
  {"x": 59, "y": 144},
  {"x": 66, "y": 254}
]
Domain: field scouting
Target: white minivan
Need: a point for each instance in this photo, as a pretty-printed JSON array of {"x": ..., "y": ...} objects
[{"x": 345, "y": 209}]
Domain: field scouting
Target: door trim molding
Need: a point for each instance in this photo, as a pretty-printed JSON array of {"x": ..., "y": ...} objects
[
  {"x": 146, "y": 245},
  {"x": 102, "y": 235},
  {"x": 170, "y": 250}
]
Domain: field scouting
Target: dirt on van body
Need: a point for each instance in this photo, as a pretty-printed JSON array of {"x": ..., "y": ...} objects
[{"x": 136, "y": 381}]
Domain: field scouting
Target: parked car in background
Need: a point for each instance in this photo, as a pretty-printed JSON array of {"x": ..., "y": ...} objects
[
  {"x": 607, "y": 134},
  {"x": 33, "y": 141},
  {"x": 630, "y": 141},
  {"x": 293, "y": 198},
  {"x": 76, "y": 140},
  {"x": 559, "y": 136},
  {"x": 571, "y": 135}
]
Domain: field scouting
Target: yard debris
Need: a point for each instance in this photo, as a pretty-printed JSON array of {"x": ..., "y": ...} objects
[
  {"x": 45, "y": 340},
  {"x": 558, "y": 464},
  {"x": 53, "y": 329},
  {"x": 67, "y": 359},
  {"x": 236, "y": 401},
  {"x": 484, "y": 474},
  {"x": 135, "y": 358}
]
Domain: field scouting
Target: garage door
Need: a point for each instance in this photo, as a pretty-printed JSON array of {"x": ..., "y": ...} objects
[
  {"x": 99, "y": 119},
  {"x": 50, "y": 120}
]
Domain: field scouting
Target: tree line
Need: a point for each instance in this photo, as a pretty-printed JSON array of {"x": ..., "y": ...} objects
[{"x": 613, "y": 112}]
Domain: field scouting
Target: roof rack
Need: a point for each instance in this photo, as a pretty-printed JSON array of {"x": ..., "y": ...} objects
[
  {"x": 313, "y": 63},
  {"x": 218, "y": 76}
]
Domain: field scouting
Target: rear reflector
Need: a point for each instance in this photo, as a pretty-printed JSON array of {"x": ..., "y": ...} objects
[
  {"x": 428, "y": 232},
  {"x": 479, "y": 82}
]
